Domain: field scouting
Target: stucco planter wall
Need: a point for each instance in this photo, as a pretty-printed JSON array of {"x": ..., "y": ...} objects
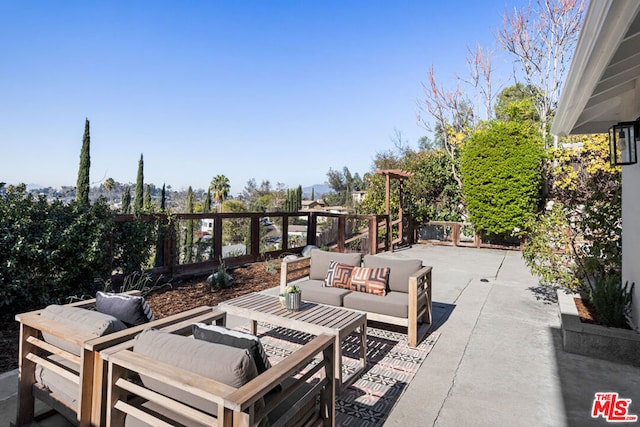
[{"x": 602, "y": 342}]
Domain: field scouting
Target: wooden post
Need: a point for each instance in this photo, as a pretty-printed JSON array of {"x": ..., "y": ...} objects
[
  {"x": 255, "y": 238},
  {"x": 387, "y": 194},
  {"x": 26, "y": 377},
  {"x": 341, "y": 233},
  {"x": 456, "y": 234},
  {"x": 387, "y": 225},
  {"x": 400, "y": 214},
  {"x": 285, "y": 232},
  {"x": 312, "y": 226},
  {"x": 217, "y": 238},
  {"x": 170, "y": 247},
  {"x": 373, "y": 235}
]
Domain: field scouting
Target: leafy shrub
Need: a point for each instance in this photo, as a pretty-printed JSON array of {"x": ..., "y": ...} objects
[
  {"x": 577, "y": 240},
  {"x": 221, "y": 278},
  {"x": 611, "y": 300},
  {"x": 501, "y": 168},
  {"x": 133, "y": 244},
  {"x": 549, "y": 251},
  {"x": 50, "y": 250}
]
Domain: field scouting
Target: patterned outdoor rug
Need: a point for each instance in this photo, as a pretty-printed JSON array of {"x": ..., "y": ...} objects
[{"x": 391, "y": 365}]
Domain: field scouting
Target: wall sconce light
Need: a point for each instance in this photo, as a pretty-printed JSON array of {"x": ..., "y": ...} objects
[{"x": 622, "y": 143}]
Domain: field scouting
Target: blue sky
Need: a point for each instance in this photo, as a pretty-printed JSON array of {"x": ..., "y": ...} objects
[{"x": 277, "y": 90}]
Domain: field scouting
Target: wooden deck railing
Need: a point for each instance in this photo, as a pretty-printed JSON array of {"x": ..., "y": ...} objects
[
  {"x": 240, "y": 238},
  {"x": 458, "y": 234}
]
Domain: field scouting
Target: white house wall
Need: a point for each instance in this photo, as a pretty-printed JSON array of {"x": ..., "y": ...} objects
[{"x": 631, "y": 235}]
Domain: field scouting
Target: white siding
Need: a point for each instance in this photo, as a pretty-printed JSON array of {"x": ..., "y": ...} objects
[{"x": 631, "y": 235}]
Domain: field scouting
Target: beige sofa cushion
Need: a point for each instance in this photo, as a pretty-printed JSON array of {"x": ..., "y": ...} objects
[
  {"x": 320, "y": 261},
  {"x": 63, "y": 388},
  {"x": 399, "y": 270},
  {"x": 315, "y": 291},
  {"x": 81, "y": 319},
  {"x": 394, "y": 304},
  {"x": 229, "y": 365}
]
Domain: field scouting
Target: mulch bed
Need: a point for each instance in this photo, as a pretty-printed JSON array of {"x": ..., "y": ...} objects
[
  {"x": 168, "y": 300},
  {"x": 588, "y": 314}
]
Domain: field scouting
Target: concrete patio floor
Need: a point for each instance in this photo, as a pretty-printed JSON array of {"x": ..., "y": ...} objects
[{"x": 499, "y": 359}]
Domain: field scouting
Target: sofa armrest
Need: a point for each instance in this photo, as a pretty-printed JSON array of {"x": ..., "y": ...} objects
[
  {"x": 419, "y": 284},
  {"x": 248, "y": 394},
  {"x": 298, "y": 268},
  {"x": 105, "y": 341}
]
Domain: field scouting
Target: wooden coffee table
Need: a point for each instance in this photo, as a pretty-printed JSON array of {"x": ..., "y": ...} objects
[{"x": 312, "y": 318}]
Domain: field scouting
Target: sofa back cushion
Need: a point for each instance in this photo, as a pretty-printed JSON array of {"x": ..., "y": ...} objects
[
  {"x": 399, "y": 270},
  {"x": 320, "y": 261},
  {"x": 238, "y": 339},
  {"x": 132, "y": 310},
  {"x": 228, "y": 365},
  {"x": 80, "y": 319}
]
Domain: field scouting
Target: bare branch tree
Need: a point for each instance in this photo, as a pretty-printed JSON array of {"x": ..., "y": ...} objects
[
  {"x": 542, "y": 41},
  {"x": 480, "y": 63},
  {"x": 453, "y": 116}
]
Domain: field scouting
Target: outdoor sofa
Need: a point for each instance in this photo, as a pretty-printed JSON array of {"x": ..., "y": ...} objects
[
  {"x": 390, "y": 290},
  {"x": 59, "y": 359}
]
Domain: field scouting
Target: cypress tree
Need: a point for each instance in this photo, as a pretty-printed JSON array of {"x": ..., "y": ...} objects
[
  {"x": 299, "y": 198},
  {"x": 163, "y": 199},
  {"x": 126, "y": 200},
  {"x": 147, "y": 197},
  {"x": 138, "y": 201},
  {"x": 207, "y": 202},
  {"x": 82, "y": 186},
  {"x": 313, "y": 193}
]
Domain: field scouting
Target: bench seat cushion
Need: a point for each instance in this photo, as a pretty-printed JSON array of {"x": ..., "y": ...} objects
[
  {"x": 228, "y": 365},
  {"x": 394, "y": 304},
  {"x": 399, "y": 270},
  {"x": 315, "y": 291}
]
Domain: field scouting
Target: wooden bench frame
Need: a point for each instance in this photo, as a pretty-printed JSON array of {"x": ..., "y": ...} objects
[
  {"x": 236, "y": 406},
  {"x": 419, "y": 284},
  {"x": 91, "y": 388}
]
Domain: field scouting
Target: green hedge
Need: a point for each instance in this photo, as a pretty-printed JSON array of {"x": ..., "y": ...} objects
[
  {"x": 501, "y": 168},
  {"x": 49, "y": 251}
]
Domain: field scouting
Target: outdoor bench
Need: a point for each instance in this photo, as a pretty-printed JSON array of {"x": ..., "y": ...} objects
[{"x": 403, "y": 299}]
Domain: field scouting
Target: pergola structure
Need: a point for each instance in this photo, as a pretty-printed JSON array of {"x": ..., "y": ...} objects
[{"x": 400, "y": 175}]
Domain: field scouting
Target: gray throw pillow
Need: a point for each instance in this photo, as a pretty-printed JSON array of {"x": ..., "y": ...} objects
[{"x": 129, "y": 309}]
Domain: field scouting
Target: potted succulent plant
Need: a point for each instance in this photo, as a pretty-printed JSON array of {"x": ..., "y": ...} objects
[{"x": 292, "y": 297}]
